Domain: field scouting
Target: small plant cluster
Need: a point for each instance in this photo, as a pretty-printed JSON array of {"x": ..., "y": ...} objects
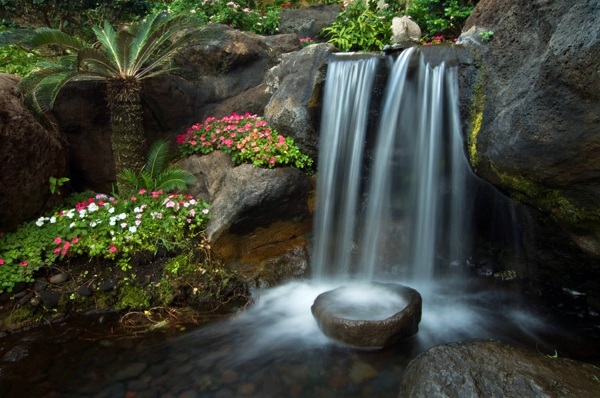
[
  {"x": 102, "y": 227},
  {"x": 248, "y": 138},
  {"x": 438, "y": 40},
  {"x": 306, "y": 41},
  {"x": 239, "y": 14}
]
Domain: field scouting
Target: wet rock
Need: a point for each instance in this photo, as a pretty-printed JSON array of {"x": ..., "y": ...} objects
[
  {"x": 130, "y": 371},
  {"x": 40, "y": 285},
  {"x": 307, "y": 21},
  {"x": 25, "y": 298},
  {"x": 49, "y": 298},
  {"x": 330, "y": 310},
  {"x": 16, "y": 354},
  {"x": 493, "y": 369},
  {"x": 59, "y": 278},
  {"x": 85, "y": 291},
  {"x": 107, "y": 285}
]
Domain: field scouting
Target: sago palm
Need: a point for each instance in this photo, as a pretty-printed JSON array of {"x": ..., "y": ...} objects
[{"x": 122, "y": 59}]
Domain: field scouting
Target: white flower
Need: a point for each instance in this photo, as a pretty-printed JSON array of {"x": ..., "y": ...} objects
[
  {"x": 93, "y": 207},
  {"x": 123, "y": 225},
  {"x": 132, "y": 229},
  {"x": 40, "y": 222},
  {"x": 205, "y": 211},
  {"x": 82, "y": 213},
  {"x": 52, "y": 220},
  {"x": 72, "y": 225},
  {"x": 93, "y": 224},
  {"x": 70, "y": 213},
  {"x": 122, "y": 216},
  {"x": 111, "y": 210}
]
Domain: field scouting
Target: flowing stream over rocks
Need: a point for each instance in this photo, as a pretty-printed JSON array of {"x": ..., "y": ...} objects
[{"x": 275, "y": 348}]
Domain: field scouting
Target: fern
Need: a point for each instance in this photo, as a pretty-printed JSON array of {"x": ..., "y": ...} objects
[{"x": 157, "y": 174}]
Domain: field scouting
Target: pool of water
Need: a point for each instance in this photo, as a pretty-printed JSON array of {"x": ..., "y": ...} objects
[{"x": 273, "y": 349}]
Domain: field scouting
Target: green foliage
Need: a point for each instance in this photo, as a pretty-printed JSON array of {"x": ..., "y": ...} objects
[
  {"x": 56, "y": 183},
  {"x": 362, "y": 26},
  {"x": 240, "y": 14},
  {"x": 486, "y": 36},
  {"x": 157, "y": 174},
  {"x": 101, "y": 227},
  {"x": 440, "y": 17},
  {"x": 14, "y": 59},
  {"x": 73, "y": 16},
  {"x": 247, "y": 138}
]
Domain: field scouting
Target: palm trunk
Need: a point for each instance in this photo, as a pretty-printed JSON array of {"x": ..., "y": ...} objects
[{"x": 128, "y": 139}]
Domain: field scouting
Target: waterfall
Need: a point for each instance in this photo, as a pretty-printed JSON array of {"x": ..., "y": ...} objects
[{"x": 392, "y": 201}]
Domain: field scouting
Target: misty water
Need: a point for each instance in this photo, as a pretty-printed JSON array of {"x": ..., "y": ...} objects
[{"x": 394, "y": 204}]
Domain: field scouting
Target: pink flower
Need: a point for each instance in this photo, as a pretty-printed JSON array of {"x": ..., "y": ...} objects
[
  {"x": 57, "y": 240},
  {"x": 272, "y": 160},
  {"x": 24, "y": 263},
  {"x": 1, "y": 261},
  {"x": 142, "y": 191},
  {"x": 112, "y": 249},
  {"x": 75, "y": 240},
  {"x": 57, "y": 250}
]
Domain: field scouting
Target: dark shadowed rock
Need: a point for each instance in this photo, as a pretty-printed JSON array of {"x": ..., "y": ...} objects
[
  {"x": 536, "y": 129},
  {"x": 534, "y": 126},
  {"x": 492, "y": 369},
  {"x": 29, "y": 156},
  {"x": 295, "y": 106},
  {"x": 345, "y": 317}
]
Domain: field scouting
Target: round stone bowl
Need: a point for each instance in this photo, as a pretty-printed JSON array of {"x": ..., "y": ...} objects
[{"x": 369, "y": 316}]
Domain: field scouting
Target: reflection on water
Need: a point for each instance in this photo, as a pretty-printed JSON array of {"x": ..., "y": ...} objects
[{"x": 273, "y": 349}]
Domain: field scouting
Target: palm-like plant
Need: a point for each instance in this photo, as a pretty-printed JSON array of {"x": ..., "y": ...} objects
[
  {"x": 122, "y": 59},
  {"x": 157, "y": 174}
]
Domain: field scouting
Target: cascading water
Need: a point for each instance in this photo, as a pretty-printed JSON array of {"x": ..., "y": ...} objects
[{"x": 412, "y": 209}]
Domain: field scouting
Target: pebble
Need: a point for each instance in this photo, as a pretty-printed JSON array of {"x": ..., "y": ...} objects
[
  {"x": 107, "y": 285},
  {"x": 229, "y": 377},
  {"x": 85, "y": 291},
  {"x": 59, "y": 278},
  {"x": 246, "y": 389},
  {"x": 361, "y": 372}
]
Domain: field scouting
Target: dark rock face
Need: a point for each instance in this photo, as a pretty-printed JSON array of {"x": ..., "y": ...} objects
[
  {"x": 296, "y": 84},
  {"x": 493, "y": 369},
  {"x": 368, "y": 334},
  {"x": 29, "y": 156},
  {"x": 534, "y": 124}
]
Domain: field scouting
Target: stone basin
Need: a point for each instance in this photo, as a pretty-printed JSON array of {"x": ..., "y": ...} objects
[{"x": 369, "y": 316}]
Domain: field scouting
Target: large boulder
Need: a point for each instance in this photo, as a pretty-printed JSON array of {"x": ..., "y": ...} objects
[
  {"x": 29, "y": 155},
  {"x": 534, "y": 124},
  {"x": 296, "y": 85},
  {"x": 259, "y": 216},
  {"x": 493, "y": 369},
  {"x": 307, "y": 21}
]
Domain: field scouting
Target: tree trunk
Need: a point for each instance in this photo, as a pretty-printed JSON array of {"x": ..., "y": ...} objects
[{"x": 127, "y": 124}]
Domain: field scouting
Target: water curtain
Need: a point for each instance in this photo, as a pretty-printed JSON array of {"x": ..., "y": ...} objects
[{"x": 390, "y": 201}]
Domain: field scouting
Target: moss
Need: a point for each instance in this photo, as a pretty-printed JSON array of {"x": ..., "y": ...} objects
[
  {"x": 477, "y": 107},
  {"x": 553, "y": 201},
  {"x": 133, "y": 297}
]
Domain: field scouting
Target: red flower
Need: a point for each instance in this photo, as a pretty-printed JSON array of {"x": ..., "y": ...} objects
[{"x": 24, "y": 263}]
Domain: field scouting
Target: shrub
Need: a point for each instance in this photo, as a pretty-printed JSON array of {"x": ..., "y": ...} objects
[
  {"x": 440, "y": 17},
  {"x": 240, "y": 14},
  {"x": 247, "y": 138},
  {"x": 102, "y": 227},
  {"x": 362, "y": 26}
]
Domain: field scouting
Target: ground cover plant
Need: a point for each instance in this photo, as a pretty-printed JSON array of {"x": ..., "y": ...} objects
[
  {"x": 248, "y": 138},
  {"x": 104, "y": 227}
]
